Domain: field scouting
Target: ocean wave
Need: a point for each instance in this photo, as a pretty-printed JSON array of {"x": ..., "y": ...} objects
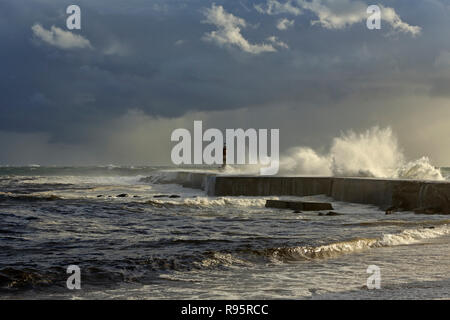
[
  {"x": 408, "y": 236},
  {"x": 221, "y": 259},
  {"x": 17, "y": 278},
  {"x": 207, "y": 202},
  {"x": 177, "y": 176},
  {"x": 161, "y": 177},
  {"x": 28, "y": 197},
  {"x": 249, "y": 257},
  {"x": 146, "y": 268}
]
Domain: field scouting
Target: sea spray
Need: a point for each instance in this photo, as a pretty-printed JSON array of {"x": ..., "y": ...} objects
[{"x": 373, "y": 153}]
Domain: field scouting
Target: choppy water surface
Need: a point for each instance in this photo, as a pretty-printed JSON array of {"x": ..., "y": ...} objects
[{"x": 194, "y": 246}]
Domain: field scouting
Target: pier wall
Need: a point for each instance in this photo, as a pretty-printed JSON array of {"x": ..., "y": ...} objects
[
  {"x": 425, "y": 196},
  {"x": 401, "y": 194}
]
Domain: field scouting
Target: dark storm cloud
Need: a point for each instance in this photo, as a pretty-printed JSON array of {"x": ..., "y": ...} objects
[{"x": 152, "y": 56}]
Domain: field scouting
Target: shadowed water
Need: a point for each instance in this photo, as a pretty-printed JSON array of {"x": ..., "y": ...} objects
[{"x": 194, "y": 246}]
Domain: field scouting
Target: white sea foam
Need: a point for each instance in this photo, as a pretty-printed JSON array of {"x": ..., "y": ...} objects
[
  {"x": 408, "y": 236},
  {"x": 208, "y": 202},
  {"x": 222, "y": 259},
  {"x": 95, "y": 180},
  {"x": 374, "y": 153}
]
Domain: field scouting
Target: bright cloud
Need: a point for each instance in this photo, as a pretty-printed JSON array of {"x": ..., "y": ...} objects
[
  {"x": 274, "y": 7},
  {"x": 284, "y": 24},
  {"x": 334, "y": 14},
  {"x": 389, "y": 15},
  {"x": 60, "y": 38},
  {"x": 277, "y": 42},
  {"x": 228, "y": 31}
]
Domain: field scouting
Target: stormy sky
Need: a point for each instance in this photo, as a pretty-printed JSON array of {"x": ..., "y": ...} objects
[{"x": 112, "y": 92}]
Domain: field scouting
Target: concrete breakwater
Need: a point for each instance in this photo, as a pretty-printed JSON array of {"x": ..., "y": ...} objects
[{"x": 420, "y": 196}]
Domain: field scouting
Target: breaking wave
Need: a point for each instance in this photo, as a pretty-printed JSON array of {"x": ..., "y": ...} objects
[
  {"x": 207, "y": 202},
  {"x": 248, "y": 257},
  {"x": 28, "y": 197},
  {"x": 399, "y": 223},
  {"x": 408, "y": 236},
  {"x": 374, "y": 153}
]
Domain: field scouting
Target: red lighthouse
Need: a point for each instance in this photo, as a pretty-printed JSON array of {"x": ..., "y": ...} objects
[{"x": 224, "y": 156}]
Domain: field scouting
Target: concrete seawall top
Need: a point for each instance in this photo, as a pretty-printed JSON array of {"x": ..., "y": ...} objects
[{"x": 422, "y": 196}]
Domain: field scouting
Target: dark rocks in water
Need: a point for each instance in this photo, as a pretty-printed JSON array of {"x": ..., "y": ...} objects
[
  {"x": 122, "y": 195},
  {"x": 393, "y": 209},
  {"x": 330, "y": 214},
  {"x": 166, "y": 196},
  {"x": 99, "y": 196},
  {"x": 390, "y": 210},
  {"x": 299, "y": 205},
  {"x": 428, "y": 211},
  {"x": 297, "y": 211},
  {"x": 135, "y": 196},
  {"x": 422, "y": 197}
]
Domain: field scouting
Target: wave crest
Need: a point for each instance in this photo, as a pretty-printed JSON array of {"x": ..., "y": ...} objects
[
  {"x": 373, "y": 153},
  {"x": 408, "y": 236},
  {"x": 207, "y": 202}
]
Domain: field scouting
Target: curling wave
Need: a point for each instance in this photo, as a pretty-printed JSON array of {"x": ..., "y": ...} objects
[
  {"x": 408, "y": 236},
  {"x": 207, "y": 202}
]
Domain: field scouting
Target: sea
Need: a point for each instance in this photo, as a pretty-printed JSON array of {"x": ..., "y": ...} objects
[{"x": 133, "y": 237}]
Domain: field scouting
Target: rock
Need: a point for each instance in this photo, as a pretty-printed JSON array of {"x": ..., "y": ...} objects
[
  {"x": 330, "y": 214},
  {"x": 166, "y": 196},
  {"x": 122, "y": 195},
  {"x": 392, "y": 210},
  {"x": 135, "y": 196},
  {"x": 423, "y": 197},
  {"x": 297, "y": 211},
  {"x": 299, "y": 205},
  {"x": 99, "y": 196},
  {"x": 428, "y": 211}
]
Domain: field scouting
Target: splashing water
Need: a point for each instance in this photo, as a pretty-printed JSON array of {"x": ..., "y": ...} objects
[
  {"x": 420, "y": 169},
  {"x": 373, "y": 153}
]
